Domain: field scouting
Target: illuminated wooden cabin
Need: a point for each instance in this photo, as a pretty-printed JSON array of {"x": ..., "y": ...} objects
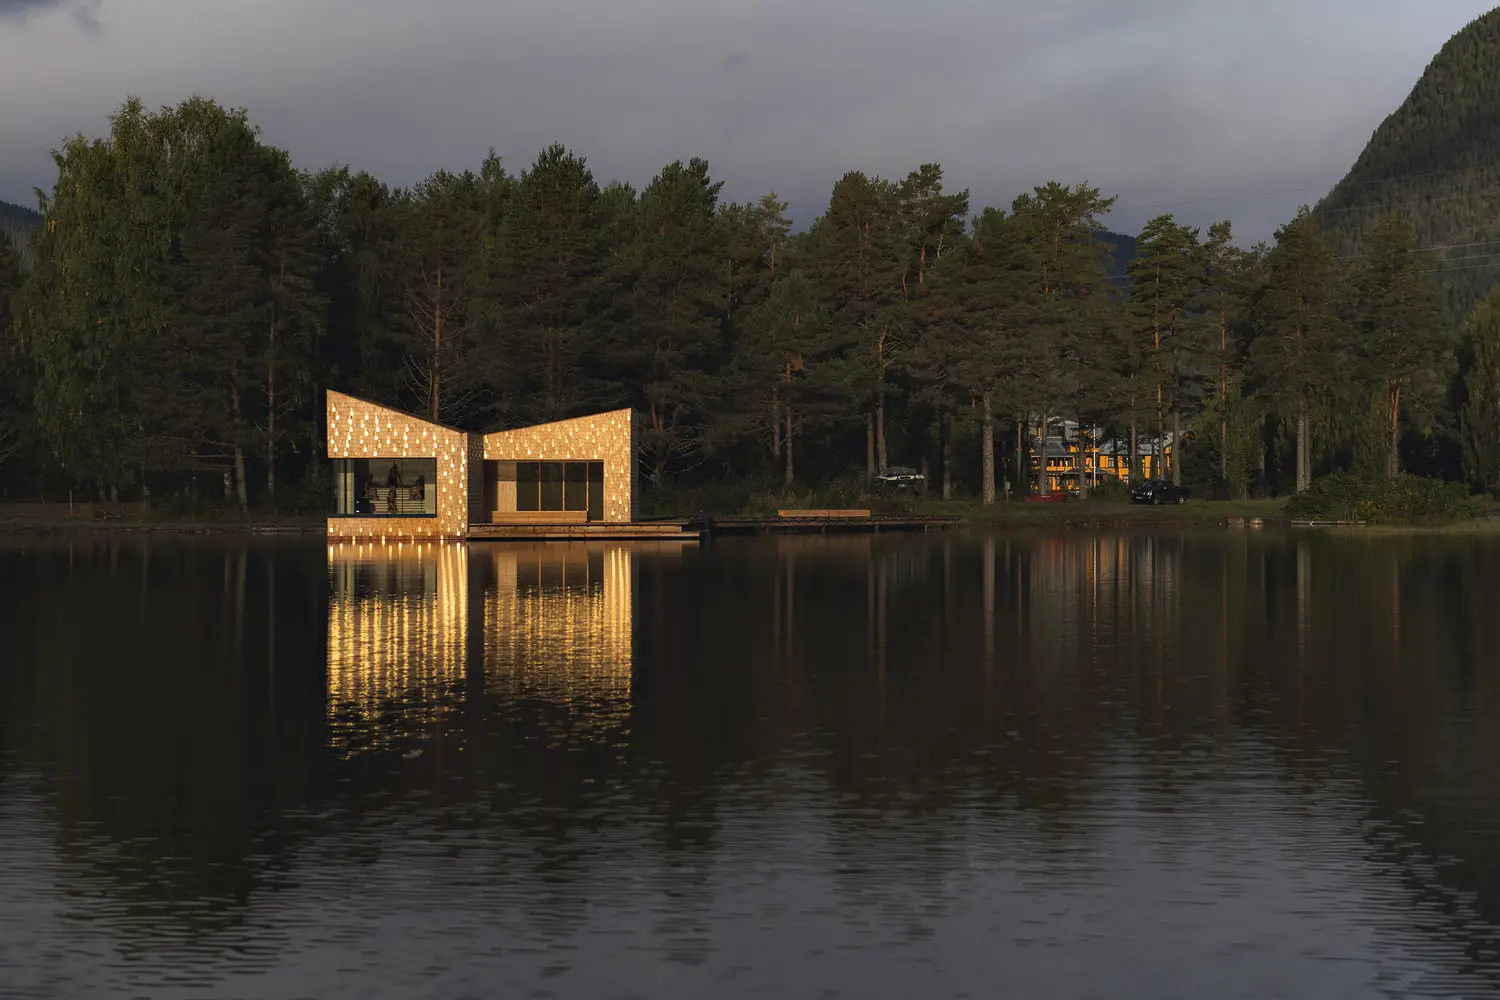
[{"x": 397, "y": 475}]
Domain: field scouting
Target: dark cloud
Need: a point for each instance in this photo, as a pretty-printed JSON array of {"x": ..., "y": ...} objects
[{"x": 1214, "y": 109}]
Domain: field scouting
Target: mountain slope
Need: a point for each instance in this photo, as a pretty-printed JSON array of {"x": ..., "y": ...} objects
[
  {"x": 1436, "y": 160},
  {"x": 17, "y": 223}
]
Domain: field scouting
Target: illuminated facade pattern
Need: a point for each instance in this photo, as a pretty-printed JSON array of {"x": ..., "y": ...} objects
[
  {"x": 612, "y": 438},
  {"x": 358, "y": 428}
]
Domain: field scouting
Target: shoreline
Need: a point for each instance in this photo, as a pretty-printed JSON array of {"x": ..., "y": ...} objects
[{"x": 1089, "y": 515}]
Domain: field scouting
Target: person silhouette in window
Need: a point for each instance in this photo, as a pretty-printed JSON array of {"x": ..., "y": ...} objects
[{"x": 392, "y": 484}]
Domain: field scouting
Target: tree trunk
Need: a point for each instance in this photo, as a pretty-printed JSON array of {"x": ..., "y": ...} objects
[
  {"x": 239, "y": 452},
  {"x": 1044, "y": 482},
  {"x": 1135, "y": 456},
  {"x": 775, "y": 429},
  {"x": 787, "y": 443},
  {"x": 870, "y": 446},
  {"x": 1020, "y": 471},
  {"x": 1176, "y": 447},
  {"x": 1302, "y": 444},
  {"x": 947, "y": 432},
  {"x": 1393, "y": 458},
  {"x": 880, "y": 456},
  {"x": 987, "y": 458},
  {"x": 1081, "y": 464},
  {"x": 271, "y": 414},
  {"x": 239, "y": 479},
  {"x": 437, "y": 344}
]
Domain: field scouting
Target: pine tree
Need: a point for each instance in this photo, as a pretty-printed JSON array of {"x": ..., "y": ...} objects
[
  {"x": 1060, "y": 226},
  {"x": 1165, "y": 285},
  {"x": 1480, "y": 417},
  {"x": 984, "y": 301},
  {"x": 1225, "y": 285},
  {"x": 15, "y": 399},
  {"x": 855, "y": 261},
  {"x": 1297, "y": 330},
  {"x": 671, "y": 342},
  {"x": 1403, "y": 345},
  {"x": 547, "y": 292}
]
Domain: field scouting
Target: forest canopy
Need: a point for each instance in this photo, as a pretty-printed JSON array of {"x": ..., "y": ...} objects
[{"x": 190, "y": 292}]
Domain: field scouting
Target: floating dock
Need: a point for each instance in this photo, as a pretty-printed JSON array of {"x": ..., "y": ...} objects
[
  {"x": 588, "y": 531},
  {"x": 799, "y": 525},
  {"x": 699, "y": 529}
]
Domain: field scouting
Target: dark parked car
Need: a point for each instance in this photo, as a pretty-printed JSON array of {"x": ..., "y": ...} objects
[{"x": 1154, "y": 491}]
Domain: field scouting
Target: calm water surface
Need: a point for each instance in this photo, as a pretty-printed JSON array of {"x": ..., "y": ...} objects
[{"x": 1114, "y": 765}]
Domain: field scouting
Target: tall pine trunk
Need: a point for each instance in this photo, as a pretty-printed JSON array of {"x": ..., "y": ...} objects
[
  {"x": 1020, "y": 470},
  {"x": 1135, "y": 453},
  {"x": 1302, "y": 449},
  {"x": 1082, "y": 464},
  {"x": 987, "y": 459},
  {"x": 1044, "y": 481},
  {"x": 870, "y": 446},
  {"x": 947, "y": 432},
  {"x": 1393, "y": 456},
  {"x": 880, "y": 454},
  {"x": 239, "y": 452},
  {"x": 1176, "y": 447},
  {"x": 271, "y": 412},
  {"x": 437, "y": 345},
  {"x": 775, "y": 429},
  {"x": 787, "y": 443}
]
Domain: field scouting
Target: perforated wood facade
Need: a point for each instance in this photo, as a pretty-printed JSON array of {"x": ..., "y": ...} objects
[{"x": 359, "y": 429}]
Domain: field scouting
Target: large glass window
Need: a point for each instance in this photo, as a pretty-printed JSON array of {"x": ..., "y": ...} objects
[
  {"x": 569, "y": 486},
  {"x": 385, "y": 487}
]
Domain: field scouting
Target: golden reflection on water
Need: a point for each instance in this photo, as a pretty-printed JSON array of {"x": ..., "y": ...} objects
[{"x": 552, "y": 622}]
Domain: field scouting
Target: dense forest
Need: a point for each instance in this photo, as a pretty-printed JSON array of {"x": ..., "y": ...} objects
[
  {"x": 190, "y": 293},
  {"x": 16, "y": 224}
]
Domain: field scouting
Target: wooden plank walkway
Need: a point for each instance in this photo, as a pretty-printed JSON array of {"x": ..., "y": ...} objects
[
  {"x": 874, "y": 524},
  {"x": 588, "y": 531}
]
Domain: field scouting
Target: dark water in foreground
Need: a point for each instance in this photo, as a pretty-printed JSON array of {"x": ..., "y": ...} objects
[{"x": 1135, "y": 765}]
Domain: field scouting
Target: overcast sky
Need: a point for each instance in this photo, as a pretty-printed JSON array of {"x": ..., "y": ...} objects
[{"x": 1209, "y": 108}]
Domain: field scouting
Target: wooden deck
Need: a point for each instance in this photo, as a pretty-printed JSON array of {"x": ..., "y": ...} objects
[
  {"x": 872, "y": 524},
  {"x": 587, "y": 531}
]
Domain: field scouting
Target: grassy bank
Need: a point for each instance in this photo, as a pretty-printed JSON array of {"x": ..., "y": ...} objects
[{"x": 47, "y": 518}]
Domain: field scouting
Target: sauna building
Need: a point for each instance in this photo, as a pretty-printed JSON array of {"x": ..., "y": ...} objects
[{"x": 396, "y": 475}]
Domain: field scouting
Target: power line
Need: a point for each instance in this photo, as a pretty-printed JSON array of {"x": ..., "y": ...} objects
[{"x": 1398, "y": 178}]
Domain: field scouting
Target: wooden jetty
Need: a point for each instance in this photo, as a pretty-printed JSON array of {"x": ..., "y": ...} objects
[
  {"x": 539, "y": 530},
  {"x": 786, "y": 522},
  {"x": 828, "y": 522}
]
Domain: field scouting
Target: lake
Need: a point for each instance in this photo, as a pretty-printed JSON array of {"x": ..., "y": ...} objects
[{"x": 1038, "y": 765}]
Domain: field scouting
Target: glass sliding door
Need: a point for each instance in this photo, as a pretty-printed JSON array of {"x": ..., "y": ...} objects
[
  {"x": 550, "y": 486},
  {"x": 596, "y": 491},
  {"x": 528, "y": 486},
  {"x": 575, "y": 486}
]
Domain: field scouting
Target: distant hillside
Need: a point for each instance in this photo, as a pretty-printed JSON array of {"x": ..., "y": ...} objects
[
  {"x": 1123, "y": 252},
  {"x": 17, "y": 223},
  {"x": 1437, "y": 161}
]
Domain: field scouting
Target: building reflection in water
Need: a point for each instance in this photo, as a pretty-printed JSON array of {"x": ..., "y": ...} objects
[{"x": 548, "y": 622}]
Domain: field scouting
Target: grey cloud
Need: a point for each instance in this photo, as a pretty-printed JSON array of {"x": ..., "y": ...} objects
[{"x": 1226, "y": 107}]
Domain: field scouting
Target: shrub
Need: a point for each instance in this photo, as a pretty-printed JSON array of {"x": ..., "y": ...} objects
[
  {"x": 1403, "y": 500},
  {"x": 1110, "y": 489}
]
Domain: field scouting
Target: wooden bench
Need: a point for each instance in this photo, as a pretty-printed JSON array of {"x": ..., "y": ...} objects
[
  {"x": 539, "y": 517},
  {"x": 825, "y": 515}
]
